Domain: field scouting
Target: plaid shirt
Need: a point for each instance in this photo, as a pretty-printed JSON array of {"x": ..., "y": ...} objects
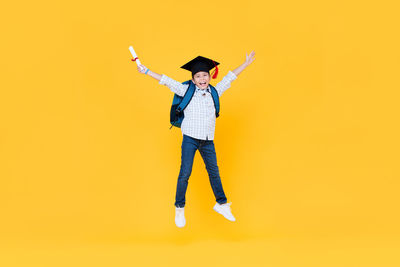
[{"x": 199, "y": 120}]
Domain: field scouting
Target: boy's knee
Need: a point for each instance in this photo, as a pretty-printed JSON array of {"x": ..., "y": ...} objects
[
  {"x": 183, "y": 178},
  {"x": 216, "y": 177},
  {"x": 185, "y": 171},
  {"x": 212, "y": 169}
]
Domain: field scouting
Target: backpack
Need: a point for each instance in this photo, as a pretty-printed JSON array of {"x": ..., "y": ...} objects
[{"x": 179, "y": 103}]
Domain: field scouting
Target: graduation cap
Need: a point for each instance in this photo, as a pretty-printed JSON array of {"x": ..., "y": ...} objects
[{"x": 201, "y": 64}]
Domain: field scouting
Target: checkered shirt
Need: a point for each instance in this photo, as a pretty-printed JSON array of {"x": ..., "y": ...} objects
[{"x": 199, "y": 115}]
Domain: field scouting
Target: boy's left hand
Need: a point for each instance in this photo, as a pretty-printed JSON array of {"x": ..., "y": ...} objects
[{"x": 250, "y": 58}]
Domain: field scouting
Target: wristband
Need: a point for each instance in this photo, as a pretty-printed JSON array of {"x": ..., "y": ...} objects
[{"x": 146, "y": 71}]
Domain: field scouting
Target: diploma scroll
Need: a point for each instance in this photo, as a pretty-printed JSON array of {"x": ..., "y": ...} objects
[{"x": 135, "y": 58}]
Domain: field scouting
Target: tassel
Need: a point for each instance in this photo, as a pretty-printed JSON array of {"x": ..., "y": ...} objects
[{"x": 215, "y": 72}]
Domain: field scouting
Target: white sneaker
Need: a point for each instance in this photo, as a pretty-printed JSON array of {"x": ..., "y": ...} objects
[
  {"x": 225, "y": 210},
  {"x": 180, "y": 217}
]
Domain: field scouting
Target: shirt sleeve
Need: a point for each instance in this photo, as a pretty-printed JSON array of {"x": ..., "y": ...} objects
[
  {"x": 225, "y": 83},
  {"x": 175, "y": 86}
]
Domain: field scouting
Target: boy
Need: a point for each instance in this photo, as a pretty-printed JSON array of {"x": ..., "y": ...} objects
[{"x": 198, "y": 128}]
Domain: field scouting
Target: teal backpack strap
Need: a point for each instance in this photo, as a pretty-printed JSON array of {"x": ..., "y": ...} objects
[
  {"x": 187, "y": 97},
  {"x": 215, "y": 97},
  {"x": 179, "y": 103}
]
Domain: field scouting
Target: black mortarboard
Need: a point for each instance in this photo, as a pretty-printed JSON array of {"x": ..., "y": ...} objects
[{"x": 201, "y": 64}]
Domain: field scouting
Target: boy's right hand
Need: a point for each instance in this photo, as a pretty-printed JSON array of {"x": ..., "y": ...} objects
[{"x": 141, "y": 68}]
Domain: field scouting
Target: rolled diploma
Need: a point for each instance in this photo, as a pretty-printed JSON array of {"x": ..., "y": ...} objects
[{"x": 135, "y": 56}]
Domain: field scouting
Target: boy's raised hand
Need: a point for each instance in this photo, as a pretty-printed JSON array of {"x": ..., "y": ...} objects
[
  {"x": 250, "y": 58},
  {"x": 141, "y": 68}
]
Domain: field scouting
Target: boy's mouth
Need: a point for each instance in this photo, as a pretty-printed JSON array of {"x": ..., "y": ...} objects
[{"x": 202, "y": 83}]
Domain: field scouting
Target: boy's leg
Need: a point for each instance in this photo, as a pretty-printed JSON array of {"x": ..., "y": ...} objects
[
  {"x": 207, "y": 151},
  {"x": 189, "y": 147}
]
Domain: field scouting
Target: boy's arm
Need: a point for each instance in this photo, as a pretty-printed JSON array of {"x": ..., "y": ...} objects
[
  {"x": 176, "y": 87},
  {"x": 154, "y": 75},
  {"x": 145, "y": 70},
  {"x": 225, "y": 83},
  {"x": 249, "y": 59}
]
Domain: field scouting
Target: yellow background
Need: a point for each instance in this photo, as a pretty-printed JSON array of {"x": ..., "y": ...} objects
[{"x": 307, "y": 141}]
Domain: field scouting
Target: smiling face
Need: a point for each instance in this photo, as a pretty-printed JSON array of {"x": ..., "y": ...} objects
[{"x": 201, "y": 79}]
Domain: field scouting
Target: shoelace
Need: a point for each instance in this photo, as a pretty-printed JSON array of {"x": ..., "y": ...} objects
[{"x": 226, "y": 206}]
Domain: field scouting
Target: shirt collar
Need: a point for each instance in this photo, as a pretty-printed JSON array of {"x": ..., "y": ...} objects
[{"x": 201, "y": 90}]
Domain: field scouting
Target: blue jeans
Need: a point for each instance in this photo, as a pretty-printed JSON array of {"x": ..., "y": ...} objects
[{"x": 207, "y": 151}]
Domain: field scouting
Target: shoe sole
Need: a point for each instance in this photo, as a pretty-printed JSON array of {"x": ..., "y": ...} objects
[
  {"x": 180, "y": 226},
  {"x": 216, "y": 209}
]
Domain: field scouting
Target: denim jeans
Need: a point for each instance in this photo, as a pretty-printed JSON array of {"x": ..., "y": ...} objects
[{"x": 207, "y": 151}]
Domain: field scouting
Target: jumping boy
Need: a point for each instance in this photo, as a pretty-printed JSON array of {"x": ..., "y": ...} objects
[{"x": 198, "y": 127}]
